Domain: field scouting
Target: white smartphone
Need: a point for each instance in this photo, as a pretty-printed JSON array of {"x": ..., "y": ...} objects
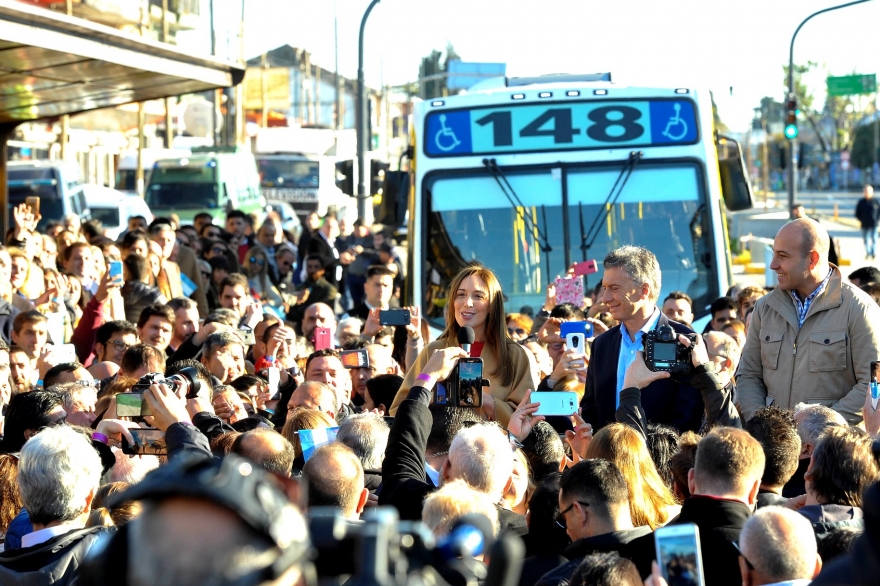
[
  {"x": 678, "y": 554},
  {"x": 64, "y": 353},
  {"x": 575, "y": 342},
  {"x": 274, "y": 376},
  {"x": 556, "y": 402}
]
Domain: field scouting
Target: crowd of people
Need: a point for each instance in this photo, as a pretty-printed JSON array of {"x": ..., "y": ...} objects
[{"x": 264, "y": 427}]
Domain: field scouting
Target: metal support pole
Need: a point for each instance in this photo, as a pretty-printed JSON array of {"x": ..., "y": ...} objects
[
  {"x": 792, "y": 144},
  {"x": 361, "y": 113}
]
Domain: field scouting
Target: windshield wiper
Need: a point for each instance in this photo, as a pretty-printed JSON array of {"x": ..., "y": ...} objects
[
  {"x": 596, "y": 226},
  {"x": 501, "y": 179}
]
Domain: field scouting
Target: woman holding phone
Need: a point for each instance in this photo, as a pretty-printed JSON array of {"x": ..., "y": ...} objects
[{"x": 474, "y": 299}]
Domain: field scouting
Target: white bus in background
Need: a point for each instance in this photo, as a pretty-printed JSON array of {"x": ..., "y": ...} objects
[
  {"x": 297, "y": 166},
  {"x": 126, "y": 171},
  {"x": 530, "y": 175}
]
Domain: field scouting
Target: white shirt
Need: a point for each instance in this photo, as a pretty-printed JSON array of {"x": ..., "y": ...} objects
[{"x": 44, "y": 535}]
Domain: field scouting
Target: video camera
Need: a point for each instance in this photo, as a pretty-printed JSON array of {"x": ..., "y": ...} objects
[
  {"x": 664, "y": 352},
  {"x": 384, "y": 550}
]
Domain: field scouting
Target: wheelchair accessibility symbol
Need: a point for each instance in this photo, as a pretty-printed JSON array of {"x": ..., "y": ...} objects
[
  {"x": 445, "y": 138},
  {"x": 676, "y": 122}
]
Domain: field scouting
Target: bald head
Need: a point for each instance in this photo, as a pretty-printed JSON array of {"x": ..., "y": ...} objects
[
  {"x": 336, "y": 479},
  {"x": 268, "y": 448},
  {"x": 811, "y": 235},
  {"x": 781, "y": 545},
  {"x": 314, "y": 395}
]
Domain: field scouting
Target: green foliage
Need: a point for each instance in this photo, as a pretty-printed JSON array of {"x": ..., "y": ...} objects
[
  {"x": 802, "y": 92},
  {"x": 862, "y": 154},
  {"x": 436, "y": 64}
]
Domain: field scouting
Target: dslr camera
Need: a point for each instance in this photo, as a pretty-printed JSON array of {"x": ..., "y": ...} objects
[
  {"x": 663, "y": 351},
  {"x": 464, "y": 385},
  {"x": 185, "y": 382}
]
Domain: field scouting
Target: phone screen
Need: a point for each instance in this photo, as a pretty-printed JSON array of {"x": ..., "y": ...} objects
[
  {"x": 679, "y": 558},
  {"x": 131, "y": 405},
  {"x": 470, "y": 383},
  {"x": 355, "y": 359},
  {"x": 146, "y": 441}
]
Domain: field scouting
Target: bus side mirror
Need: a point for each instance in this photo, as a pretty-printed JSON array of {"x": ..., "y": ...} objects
[{"x": 736, "y": 189}]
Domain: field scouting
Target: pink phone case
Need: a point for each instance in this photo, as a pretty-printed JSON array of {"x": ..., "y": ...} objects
[{"x": 570, "y": 290}]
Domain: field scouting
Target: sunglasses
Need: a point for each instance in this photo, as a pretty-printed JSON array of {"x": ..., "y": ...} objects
[
  {"x": 560, "y": 518},
  {"x": 517, "y": 331},
  {"x": 258, "y": 261}
]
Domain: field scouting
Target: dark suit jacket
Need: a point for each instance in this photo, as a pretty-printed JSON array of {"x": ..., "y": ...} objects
[{"x": 664, "y": 401}]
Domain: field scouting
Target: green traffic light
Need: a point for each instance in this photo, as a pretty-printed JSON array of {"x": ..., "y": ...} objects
[{"x": 791, "y": 131}]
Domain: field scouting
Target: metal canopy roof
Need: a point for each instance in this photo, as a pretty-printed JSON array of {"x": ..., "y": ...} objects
[{"x": 52, "y": 64}]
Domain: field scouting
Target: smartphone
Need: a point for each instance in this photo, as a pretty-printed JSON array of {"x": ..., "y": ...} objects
[
  {"x": 570, "y": 290},
  {"x": 576, "y": 327},
  {"x": 678, "y": 554},
  {"x": 64, "y": 352},
  {"x": 322, "y": 339},
  {"x": 115, "y": 270},
  {"x": 247, "y": 336},
  {"x": 355, "y": 358},
  {"x": 33, "y": 203},
  {"x": 556, "y": 402},
  {"x": 470, "y": 382},
  {"x": 146, "y": 441},
  {"x": 394, "y": 317},
  {"x": 131, "y": 405},
  {"x": 267, "y": 413},
  {"x": 576, "y": 342},
  {"x": 588, "y": 267},
  {"x": 874, "y": 386},
  {"x": 273, "y": 375}
]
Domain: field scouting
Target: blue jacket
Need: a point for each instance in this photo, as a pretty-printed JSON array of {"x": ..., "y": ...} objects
[{"x": 664, "y": 401}]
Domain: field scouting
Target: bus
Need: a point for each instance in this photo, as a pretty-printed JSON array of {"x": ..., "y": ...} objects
[{"x": 529, "y": 175}]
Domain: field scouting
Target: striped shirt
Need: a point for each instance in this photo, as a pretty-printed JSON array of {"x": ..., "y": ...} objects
[{"x": 803, "y": 307}]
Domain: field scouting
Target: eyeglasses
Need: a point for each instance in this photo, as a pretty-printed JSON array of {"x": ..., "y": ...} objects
[
  {"x": 119, "y": 345},
  {"x": 258, "y": 261},
  {"x": 555, "y": 346},
  {"x": 560, "y": 518},
  {"x": 742, "y": 555},
  {"x": 517, "y": 331},
  {"x": 218, "y": 250}
]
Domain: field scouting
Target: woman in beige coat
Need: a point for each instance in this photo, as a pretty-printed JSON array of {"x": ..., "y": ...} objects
[{"x": 474, "y": 299}]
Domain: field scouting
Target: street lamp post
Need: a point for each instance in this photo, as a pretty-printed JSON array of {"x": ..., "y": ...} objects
[
  {"x": 792, "y": 155},
  {"x": 361, "y": 113}
]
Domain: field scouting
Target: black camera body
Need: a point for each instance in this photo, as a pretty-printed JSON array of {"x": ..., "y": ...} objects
[
  {"x": 464, "y": 385},
  {"x": 663, "y": 351},
  {"x": 185, "y": 382}
]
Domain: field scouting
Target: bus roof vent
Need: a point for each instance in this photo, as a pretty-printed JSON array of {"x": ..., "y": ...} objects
[{"x": 558, "y": 78}]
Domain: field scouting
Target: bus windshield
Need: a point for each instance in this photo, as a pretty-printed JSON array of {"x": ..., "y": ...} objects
[
  {"x": 288, "y": 173},
  {"x": 169, "y": 196},
  {"x": 661, "y": 207}
]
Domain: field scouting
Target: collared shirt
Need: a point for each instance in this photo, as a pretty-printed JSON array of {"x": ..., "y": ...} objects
[
  {"x": 628, "y": 349},
  {"x": 803, "y": 307},
  {"x": 44, "y": 535}
]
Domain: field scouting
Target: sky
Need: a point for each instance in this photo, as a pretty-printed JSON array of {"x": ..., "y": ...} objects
[{"x": 740, "y": 44}]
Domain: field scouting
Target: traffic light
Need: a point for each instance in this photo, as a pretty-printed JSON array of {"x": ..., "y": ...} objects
[
  {"x": 377, "y": 176},
  {"x": 791, "y": 129},
  {"x": 345, "y": 176}
]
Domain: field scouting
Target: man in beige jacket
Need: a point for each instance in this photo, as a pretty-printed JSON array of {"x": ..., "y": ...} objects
[{"x": 812, "y": 339}]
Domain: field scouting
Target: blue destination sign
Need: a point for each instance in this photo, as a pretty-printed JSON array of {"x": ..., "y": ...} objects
[{"x": 556, "y": 126}]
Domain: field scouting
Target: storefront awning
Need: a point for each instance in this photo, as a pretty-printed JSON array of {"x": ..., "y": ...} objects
[{"x": 52, "y": 64}]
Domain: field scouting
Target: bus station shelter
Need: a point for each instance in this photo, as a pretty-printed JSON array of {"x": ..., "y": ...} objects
[{"x": 52, "y": 64}]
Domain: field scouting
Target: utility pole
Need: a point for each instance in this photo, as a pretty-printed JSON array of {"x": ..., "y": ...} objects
[
  {"x": 792, "y": 144},
  {"x": 361, "y": 112}
]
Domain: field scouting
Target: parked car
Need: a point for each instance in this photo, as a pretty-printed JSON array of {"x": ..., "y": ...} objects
[
  {"x": 114, "y": 208},
  {"x": 58, "y": 184},
  {"x": 290, "y": 221}
]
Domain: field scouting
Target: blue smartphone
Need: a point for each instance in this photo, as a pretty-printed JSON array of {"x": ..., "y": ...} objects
[
  {"x": 576, "y": 327},
  {"x": 115, "y": 269}
]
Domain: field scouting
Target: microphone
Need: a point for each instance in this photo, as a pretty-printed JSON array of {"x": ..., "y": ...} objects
[{"x": 466, "y": 337}]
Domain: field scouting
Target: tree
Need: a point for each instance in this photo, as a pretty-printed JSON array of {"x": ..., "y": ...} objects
[
  {"x": 433, "y": 71},
  {"x": 863, "y": 153}
]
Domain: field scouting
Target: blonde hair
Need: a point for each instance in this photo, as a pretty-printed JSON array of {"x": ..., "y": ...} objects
[
  {"x": 497, "y": 340},
  {"x": 649, "y": 497},
  {"x": 452, "y": 501},
  {"x": 304, "y": 418}
]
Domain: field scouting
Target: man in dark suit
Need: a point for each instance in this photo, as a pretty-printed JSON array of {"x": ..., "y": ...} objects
[
  {"x": 323, "y": 243},
  {"x": 630, "y": 289}
]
